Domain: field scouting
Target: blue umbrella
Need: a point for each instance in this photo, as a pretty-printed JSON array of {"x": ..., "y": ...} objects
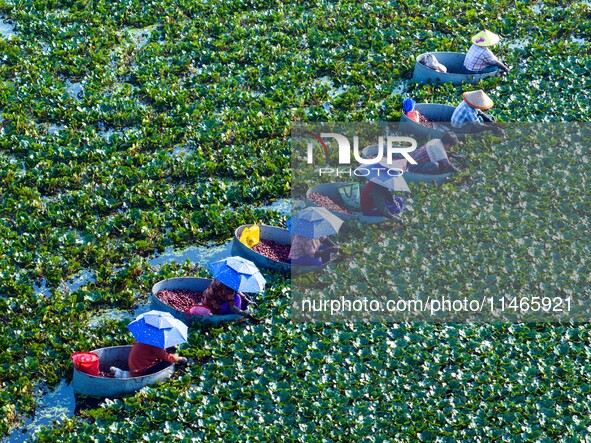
[
  {"x": 315, "y": 222},
  {"x": 239, "y": 274},
  {"x": 384, "y": 176},
  {"x": 158, "y": 329}
]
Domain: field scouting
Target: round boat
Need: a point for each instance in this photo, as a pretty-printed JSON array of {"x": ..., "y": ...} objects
[
  {"x": 276, "y": 234},
  {"x": 95, "y": 386},
  {"x": 331, "y": 190},
  {"x": 456, "y": 73},
  {"x": 186, "y": 283},
  {"x": 411, "y": 177},
  {"x": 438, "y": 114}
]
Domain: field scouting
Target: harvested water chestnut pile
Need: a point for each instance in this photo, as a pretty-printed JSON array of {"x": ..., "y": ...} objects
[
  {"x": 273, "y": 250},
  {"x": 327, "y": 202},
  {"x": 179, "y": 299},
  {"x": 425, "y": 121}
]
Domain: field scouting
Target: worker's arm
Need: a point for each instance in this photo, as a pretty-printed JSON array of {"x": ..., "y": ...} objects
[
  {"x": 327, "y": 241},
  {"x": 446, "y": 166},
  {"x": 171, "y": 358},
  {"x": 327, "y": 246},
  {"x": 484, "y": 116},
  {"x": 179, "y": 359},
  {"x": 234, "y": 310},
  {"x": 476, "y": 127},
  {"x": 246, "y": 297},
  {"x": 501, "y": 66},
  {"x": 490, "y": 124}
]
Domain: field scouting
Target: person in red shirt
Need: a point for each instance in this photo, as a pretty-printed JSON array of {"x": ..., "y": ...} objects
[
  {"x": 377, "y": 200},
  {"x": 147, "y": 359}
]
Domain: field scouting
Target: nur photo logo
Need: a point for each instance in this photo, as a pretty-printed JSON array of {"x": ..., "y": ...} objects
[{"x": 389, "y": 148}]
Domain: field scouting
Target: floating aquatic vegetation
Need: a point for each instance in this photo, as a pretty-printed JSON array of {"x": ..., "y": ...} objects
[{"x": 228, "y": 78}]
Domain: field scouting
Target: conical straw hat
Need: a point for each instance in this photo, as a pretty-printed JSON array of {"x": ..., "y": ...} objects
[
  {"x": 485, "y": 38},
  {"x": 478, "y": 99}
]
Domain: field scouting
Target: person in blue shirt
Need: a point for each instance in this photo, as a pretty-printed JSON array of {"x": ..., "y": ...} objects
[{"x": 468, "y": 117}]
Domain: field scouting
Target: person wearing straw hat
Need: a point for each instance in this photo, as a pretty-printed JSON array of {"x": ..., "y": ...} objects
[
  {"x": 479, "y": 57},
  {"x": 468, "y": 117}
]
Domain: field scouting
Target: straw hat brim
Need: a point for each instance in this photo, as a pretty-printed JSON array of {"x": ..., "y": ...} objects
[
  {"x": 478, "y": 99},
  {"x": 485, "y": 38}
]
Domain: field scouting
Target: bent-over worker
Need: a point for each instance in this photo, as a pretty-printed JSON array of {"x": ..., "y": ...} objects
[
  {"x": 377, "y": 200},
  {"x": 311, "y": 251},
  {"x": 468, "y": 117},
  {"x": 432, "y": 157},
  {"x": 147, "y": 359},
  {"x": 218, "y": 294}
]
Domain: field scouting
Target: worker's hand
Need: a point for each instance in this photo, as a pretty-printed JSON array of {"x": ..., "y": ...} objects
[
  {"x": 182, "y": 360},
  {"x": 251, "y": 317},
  {"x": 498, "y": 131},
  {"x": 397, "y": 218},
  {"x": 255, "y": 320}
]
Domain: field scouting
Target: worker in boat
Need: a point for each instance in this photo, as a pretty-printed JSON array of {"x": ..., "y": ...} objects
[
  {"x": 377, "y": 200},
  {"x": 147, "y": 359},
  {"x": 220, "y": 299},
  {"x": 468, "y": 117},
  {"x": 311, "y": 251},
  {"x": 432, "y": 157},
  {"x": 479, "y": 58}
]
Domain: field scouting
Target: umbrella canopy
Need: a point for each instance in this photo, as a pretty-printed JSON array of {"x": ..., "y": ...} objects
[
  {"x": 315, "y": 222},
  {"x": 239, "y": 274},
  {"x": 378, "y": 173},
  {"x": 158, "y": 329}
]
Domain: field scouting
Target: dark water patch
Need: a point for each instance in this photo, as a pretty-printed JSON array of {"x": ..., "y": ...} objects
[
  {"x": 195, "y": 254},
  {"x": 54, "y": 406}
]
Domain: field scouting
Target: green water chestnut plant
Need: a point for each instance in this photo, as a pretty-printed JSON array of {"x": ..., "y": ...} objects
[{"x": 130, "y": 127}]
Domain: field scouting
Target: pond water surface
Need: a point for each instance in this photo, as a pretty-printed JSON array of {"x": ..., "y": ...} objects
[{"x": 54, "y": 405}]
